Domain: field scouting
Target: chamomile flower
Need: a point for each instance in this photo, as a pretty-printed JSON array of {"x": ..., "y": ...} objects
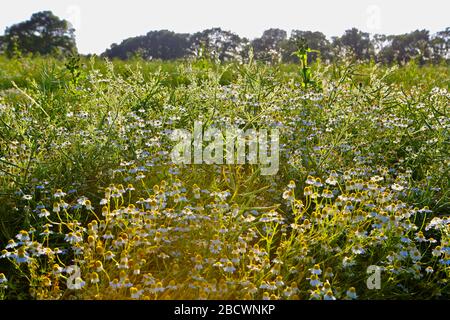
[
  {"x": 327, "y": 194},
  {"x": 318, "y": 183},
  {"x": 310, "y": 180},
  {"x": 288, "y": 195},
  {"x": 98, "y": 265},
  {"x": 135, "y": 293},
  {"x": 57, "y": 269},
  {"x": 351, "y": 293},
  {"x": 3, "y": 281},
  {"x": 329, "y": 295},
  {"x": 314, "y": 281},
  {"x": 397, "y": 187},
  {"x": 358, "y": 249},
  {"x": 347, "y": 262},
  {"x": 315, "y": 270},
  {"x": 56, "y": 207},
  {"x": 328, "y": 273},
  {"x": 420, "y": 237},
  {"x": 21, "y": 256},
  {"x": 415, "y": 254},
  {"x": 158, "y": 287},
  {"x": 88, "y": 205},
  {"x": 59, "y": 194},
  {"x": 279, "y": 282},
  {"x": 291, "y": 290},
  {"x": 331, "y": 181},
  {"x": 44, "y": 213},
  {"x": 123, "y": 264},
  {"x": 73, "y": 238},
  {"x": 94, "y": 278},
  {"x": 5, "y": 254},
  {"x": 436, "y": 252},
  {"x": 11, "y": 244},
  {"x": 215, "y": 248},
  {"x": 108, "y": 235},
  {"x": 23, "y": 236},
  {"x": 171, "y": 285},
  {"x": 446, "y": 260},
  {"x": 229, "y": 268},
  {"x": 315, "y": 294},
  {"x": 376, "y": 179},
  {"x": 115, "y": 284},
  {"x": 291, "y": 184},
  {"x": 109, "y": 255}
]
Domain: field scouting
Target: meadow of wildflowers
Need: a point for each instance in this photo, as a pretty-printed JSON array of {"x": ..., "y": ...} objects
[{"x": 92, "y": 207}]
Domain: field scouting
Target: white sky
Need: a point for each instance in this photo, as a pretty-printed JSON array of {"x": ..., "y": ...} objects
[{"x": 99, "y": 23}]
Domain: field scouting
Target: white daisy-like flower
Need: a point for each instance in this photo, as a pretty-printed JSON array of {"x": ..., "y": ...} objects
[
  {"x": 314, "y": 281},
  {"x": 358, "y": 250},
  {"x": 351, "y": 293},
  {"x": 59, "y": 194},
  {"x": 331, "y": 181},
  {"x": 397, "y": 187},
  {"x": 329, "y": 296},
  {"x": 288, "y": 195},
  {"x": 44, "y": 213},
  {"x": 229, "y": 268},
  {"x": 3, "y": 278},
  {"x": 11, "y": 244},
  {"x": 376, "y": 179},
  {"x": 315, "y": 270},
  {"x": 310, "y": 180}
]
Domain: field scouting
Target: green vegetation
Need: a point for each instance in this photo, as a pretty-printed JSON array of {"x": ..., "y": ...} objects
[
  {"x": 86, "y": 180},
  {"x": 43, "y": 34}
]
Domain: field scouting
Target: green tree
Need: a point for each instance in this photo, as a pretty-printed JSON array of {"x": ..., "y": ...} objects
[
  {"x": 2, "y": 44},
  {"x": 218, "y": 43},
  {"x": 44, "y": 34},
  {"x": 162, "y": 44},
  {"x": 405, "y": 47},
  {"x": 440, "y": 45},
  {"x": 357, "y": 42},
  {"x": 269, "y": 46}
]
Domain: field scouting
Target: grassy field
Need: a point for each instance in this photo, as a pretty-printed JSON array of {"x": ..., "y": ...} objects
[{"x": 92, "y": 207}]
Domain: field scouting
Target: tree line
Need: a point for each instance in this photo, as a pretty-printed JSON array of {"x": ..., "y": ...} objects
[{"x": 44, "y": 33}]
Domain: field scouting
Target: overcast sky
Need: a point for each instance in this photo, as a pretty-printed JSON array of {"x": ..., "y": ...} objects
[{"x": 99, "y": 23}]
